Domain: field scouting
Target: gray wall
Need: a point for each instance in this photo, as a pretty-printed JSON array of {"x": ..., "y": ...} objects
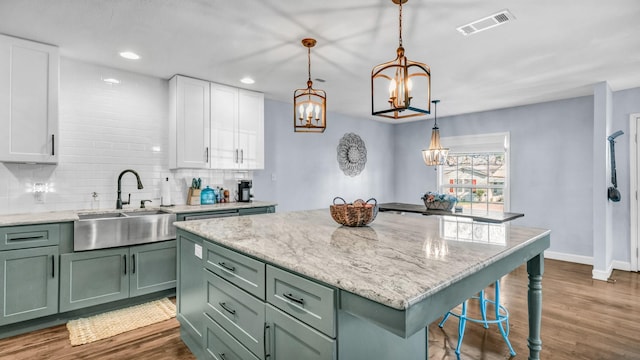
[
  {"x": 307, "y": 175},
  {"x": 551, "y": 152},
  {"x": 551, "y": 164}
]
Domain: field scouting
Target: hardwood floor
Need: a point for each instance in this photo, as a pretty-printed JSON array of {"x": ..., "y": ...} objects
[{"x": 582, "y": 319}]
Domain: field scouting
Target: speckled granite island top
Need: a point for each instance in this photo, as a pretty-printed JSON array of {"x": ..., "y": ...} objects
[{"x": 396, "y": 261}]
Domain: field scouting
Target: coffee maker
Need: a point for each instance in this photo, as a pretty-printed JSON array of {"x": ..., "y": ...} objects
[{"x": 244, "y": 191}]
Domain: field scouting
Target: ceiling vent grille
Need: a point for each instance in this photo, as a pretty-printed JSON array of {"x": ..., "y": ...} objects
[{"x": 488, "y": 22}]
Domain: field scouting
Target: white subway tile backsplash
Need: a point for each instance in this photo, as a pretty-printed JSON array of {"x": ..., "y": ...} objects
[{"x": 104, "y": 129}]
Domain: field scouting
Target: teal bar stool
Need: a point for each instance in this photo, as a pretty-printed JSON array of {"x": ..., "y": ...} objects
[{"x": 501, "y": 317}]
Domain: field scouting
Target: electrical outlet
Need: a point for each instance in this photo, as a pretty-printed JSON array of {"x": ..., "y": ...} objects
[{"x": 273, "y": 177}]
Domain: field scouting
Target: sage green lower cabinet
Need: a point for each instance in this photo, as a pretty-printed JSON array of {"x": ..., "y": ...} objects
[
  {"x": 153, "y": 267},
  {"x": 291, "y": 339},
  {"x": 241, "y": 314},
  {"x": 219, "y": 345},
  {"x": 93, "y": 277},
  {"x": 190, "y": 292},
  {"x": 29, "y": 284},
  {"x": 100, "y": 276}
]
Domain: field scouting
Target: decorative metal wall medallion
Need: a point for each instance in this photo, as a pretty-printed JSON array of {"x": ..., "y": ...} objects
[{"x": 352, "y": 154}]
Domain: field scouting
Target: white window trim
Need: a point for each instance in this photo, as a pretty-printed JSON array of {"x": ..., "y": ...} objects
[{"x": 479, "y": 143}]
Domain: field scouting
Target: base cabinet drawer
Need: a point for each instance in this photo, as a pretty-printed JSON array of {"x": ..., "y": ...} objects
[
  {"x": 307, "y": 301},
  {"x": 240, "y": 270},
  {"x": 28, "y": 236},
  {"x": 241, "y": 314},
  {"x": 219, "y": 345},
  {"x": 290, "y": 339}
]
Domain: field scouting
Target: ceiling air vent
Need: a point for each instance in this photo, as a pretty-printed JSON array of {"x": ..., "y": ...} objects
[{"x": 487, "y": 22}]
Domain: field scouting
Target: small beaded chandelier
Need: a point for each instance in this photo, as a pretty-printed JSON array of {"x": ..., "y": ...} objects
[{"x": 435, "y": 155}]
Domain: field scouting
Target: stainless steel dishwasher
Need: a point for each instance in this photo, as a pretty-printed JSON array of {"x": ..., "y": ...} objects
[{"x": 218, "y": 214}]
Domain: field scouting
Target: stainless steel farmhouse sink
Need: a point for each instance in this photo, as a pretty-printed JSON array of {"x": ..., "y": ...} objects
[{"x": 107, "y": 230}]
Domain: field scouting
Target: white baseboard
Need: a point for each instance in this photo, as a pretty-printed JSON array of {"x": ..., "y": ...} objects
[
  {"x": 621, "y": 265},
  {"x": 588, "y": 260},
  {"x": 579, "y": 259},
  {"x": 603, "y": 275}
]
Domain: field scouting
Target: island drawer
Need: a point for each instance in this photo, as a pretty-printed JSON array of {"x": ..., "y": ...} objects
[
  {"x": 241, "y": 314},
  {"x": 219, "y": 345},
  {"x": 242, "y": 271},
  {"x": 305, "y": 300},
  {"x": 29, "y": 236}
]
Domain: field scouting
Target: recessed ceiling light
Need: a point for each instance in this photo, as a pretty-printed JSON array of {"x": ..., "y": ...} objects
[
  {"x": 247, "y": 80},
  {"x": 130, "y": 55},
  {"x": 111, "y": 81}
]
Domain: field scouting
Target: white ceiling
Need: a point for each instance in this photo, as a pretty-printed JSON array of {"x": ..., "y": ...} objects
[{"x": 554, "y": 49}]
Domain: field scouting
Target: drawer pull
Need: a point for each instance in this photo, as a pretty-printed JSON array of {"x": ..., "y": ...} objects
[
  {"x": 227, "y": 308},
  {"x": 293, "y": 298},
  {"x": 27, "y": 238},
  {"x": 221, "y": 356},
  {"x": 228, "y": 267}
]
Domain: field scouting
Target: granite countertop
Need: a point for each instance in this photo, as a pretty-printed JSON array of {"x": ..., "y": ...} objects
[
  {"x": 72, "y": 215},
  {"x": 396, "y": 261}
]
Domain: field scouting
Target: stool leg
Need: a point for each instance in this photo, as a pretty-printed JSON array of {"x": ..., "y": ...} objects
[
  {"x": 483, "y": 308},
  {"x": 461, "y": 325},
  {"x": 504, "y": 333},
  {"x": 444, "y": 319}
]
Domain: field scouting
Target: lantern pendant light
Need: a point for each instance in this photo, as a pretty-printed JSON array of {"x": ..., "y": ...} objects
[
  {"x": 400, "y": 88},
  {"x": 436, "y": 155},
  {"x": 309, "y": 105}
]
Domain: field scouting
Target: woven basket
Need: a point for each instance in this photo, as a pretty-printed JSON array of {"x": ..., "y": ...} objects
[
  {"x": 359, "y": 213},
  {"x": 439, "y": 205}
]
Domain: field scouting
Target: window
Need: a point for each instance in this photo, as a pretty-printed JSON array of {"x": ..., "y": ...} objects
[{"x": 477, "y": 171}]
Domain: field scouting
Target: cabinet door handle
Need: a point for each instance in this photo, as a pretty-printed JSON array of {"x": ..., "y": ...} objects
[
  {"x": 53, "y": 266},
  {"x": 241, "y": 156},
  {"x": 133, "y": 263},
  {"x": 124, "y": 258},
  {"x": 267, "y": 342},
  {"x": 221, "y": 356},
  {"x": 235, "y": 160},
  {"x": 228, "y": 267},
  {"x": 206, "y": 152},
  {"x": 53, "y": 144},
  {"x": 294, "y": 299},
  {"x": 227, "y": 308}
]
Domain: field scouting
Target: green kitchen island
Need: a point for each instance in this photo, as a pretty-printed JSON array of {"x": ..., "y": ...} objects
[{"x": 297, "y": 285}]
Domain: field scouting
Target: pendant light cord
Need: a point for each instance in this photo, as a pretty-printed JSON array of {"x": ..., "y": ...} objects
[
  {"x": 309, "y": 62},
  {"x": 400, "y": 23}
]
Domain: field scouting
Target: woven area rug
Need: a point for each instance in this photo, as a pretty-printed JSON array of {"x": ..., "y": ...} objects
[{"x": 102, "y": 326}]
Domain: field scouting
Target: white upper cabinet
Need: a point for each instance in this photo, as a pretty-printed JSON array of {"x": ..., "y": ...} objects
[
  {"x": 189, "y": 123},
  {"x": 224, "y": 116},
  {"x": 237, "y": 128},
  {"x": 229, "y": 134},
  {"x": 29, "y": 77}
]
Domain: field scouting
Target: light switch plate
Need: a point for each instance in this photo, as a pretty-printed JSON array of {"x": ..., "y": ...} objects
[{"x": 198, "y": 251}]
